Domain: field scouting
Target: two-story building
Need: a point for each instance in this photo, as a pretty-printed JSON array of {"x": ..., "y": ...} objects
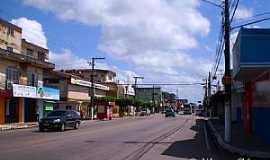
[
  {"x": 104, "y": 77},
  {"x": 74, "y": 90},
  {"x": 22, "y": 65}
]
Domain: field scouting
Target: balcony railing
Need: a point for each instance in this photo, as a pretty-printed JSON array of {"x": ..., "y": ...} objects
[{"x": 25, "y": 59}]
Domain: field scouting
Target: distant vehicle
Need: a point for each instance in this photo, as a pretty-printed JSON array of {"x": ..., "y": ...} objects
[
  {"x": 199, "y": 112},
  {"x": 145, "y": 112},
  {"x": 169, "y": 113},
  {"x": 187, "y": 109},
  {"x": 60, "y": 120}
]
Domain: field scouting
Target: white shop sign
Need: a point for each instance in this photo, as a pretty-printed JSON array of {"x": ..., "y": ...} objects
[
  {"x": 88, "y": 84},
  {"x": 24, "y": 91}
]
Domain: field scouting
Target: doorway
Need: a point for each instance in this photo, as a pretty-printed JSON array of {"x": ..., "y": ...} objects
[{"x": 12, "y": 110}]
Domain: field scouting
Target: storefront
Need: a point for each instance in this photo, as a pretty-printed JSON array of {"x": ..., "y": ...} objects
[
  {"x": 25, "y": 102},
  {"x": 251, "y": 68},
  {"x": 31, "y": 103},
  {"x": 48, "y": 98},
  {"x": 4, "y": 94}
]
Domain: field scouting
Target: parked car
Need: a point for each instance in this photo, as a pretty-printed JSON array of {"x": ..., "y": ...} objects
[
  {"x": 199, "y": 112},
  {"x": 169, "y": 113},
  {"x": 60, "y": 120},
  {"x": 187, "y": 109},
  {"x": 145, "y": 112}
]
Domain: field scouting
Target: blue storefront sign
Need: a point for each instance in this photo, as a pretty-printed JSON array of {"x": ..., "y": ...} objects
[
  {"x": 48, "y": 93},
  {"x": 250, "y": 54}
]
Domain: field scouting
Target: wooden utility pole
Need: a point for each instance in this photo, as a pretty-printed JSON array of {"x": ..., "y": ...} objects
[{"x": 227, "y": 75}]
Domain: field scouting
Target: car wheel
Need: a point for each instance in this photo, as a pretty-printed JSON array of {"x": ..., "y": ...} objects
[
  {"x": 41, "y": 129},
  {"x": 77, "y": 125},
  {"x": 62, "y": 128}
]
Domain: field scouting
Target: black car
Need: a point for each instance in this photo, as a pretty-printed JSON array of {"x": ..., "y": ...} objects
[
  {"x": 169, "y": 113},
  {"x": 60, "y": 120}
]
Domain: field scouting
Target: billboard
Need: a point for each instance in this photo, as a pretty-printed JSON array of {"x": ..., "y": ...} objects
[{"x": 48, "y": 93}]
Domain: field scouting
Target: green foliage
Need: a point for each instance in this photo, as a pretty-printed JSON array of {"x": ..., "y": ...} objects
[{"x": 123, "y": 102}]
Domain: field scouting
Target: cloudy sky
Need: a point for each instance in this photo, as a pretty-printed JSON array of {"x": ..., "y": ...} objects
[{"x": 163, "y": 40}]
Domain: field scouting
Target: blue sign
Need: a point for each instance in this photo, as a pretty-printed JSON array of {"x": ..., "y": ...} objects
[{"x": 48, "y": 93}]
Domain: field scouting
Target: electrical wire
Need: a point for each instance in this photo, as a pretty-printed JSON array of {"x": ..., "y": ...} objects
[{"x": 234, "y": 10}]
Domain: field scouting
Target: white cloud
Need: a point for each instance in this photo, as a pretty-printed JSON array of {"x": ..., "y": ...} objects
[
  {"x": 67, "y": 60},
  {"x": 131, "y": 29},
  {"x": 153, "y": 35},
  {"x": 243, "y": 12},
  {"x": 32, "y": 31}
]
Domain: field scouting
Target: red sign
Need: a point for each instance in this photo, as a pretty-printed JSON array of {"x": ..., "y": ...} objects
[{"x": 4, "y": 93}]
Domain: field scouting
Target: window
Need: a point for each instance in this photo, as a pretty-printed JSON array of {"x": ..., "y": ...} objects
[
  {"x": 29, "y": 52},
  {"x": 10, "y": 49},
  {"x": 32, "y": 79},
  {"x": 12, "y": 76},
  {"x": 10, "y": 31},
  {"x": 68, "y": 107},
  {"x": 41, "y": 56}
]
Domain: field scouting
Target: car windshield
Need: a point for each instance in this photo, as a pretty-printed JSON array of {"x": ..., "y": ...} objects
[
  {"x": 168, "y": 110},
  {"x": 56, "y": 113}
]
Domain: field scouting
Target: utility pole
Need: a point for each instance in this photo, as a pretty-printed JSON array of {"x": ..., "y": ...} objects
[
  {"x": 205, "y": 86},
  {"x": 209, "y": 94},
  {"x": 92, "y": 94},
  {"x": 126, "y": 91},
  {"x": 209, "y": 85},
  {"x": 135, "y": 85},
  {"x": 227, "y": 75},
  {"x": 153, "y": 99}
]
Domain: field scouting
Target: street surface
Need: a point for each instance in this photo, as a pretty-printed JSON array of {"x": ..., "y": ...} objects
[{"x": 146, "y": 138}]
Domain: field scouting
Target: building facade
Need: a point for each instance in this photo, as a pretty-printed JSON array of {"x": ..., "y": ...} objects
[
  {"x": 150, "y": 94},
  {"x": 21, "y": 76},
  {"x": 251, "y": 66},
  {"x": 104, "y": 77},
  {"x": 74, "y": 91}
]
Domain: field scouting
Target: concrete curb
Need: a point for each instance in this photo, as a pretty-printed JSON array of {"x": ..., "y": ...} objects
[
  {"x": 15, "y": 127},
  {"x": 233, "y": 149}
]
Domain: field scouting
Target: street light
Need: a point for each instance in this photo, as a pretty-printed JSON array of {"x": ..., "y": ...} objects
[{"x": 92, "y": 63}]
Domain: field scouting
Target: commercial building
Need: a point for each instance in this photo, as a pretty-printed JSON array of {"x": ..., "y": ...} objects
[
  {"x": 251, "y": 68},
  {"x": 104, "y": 77},
  {"x": 150, "y": 94},
  {"x": 74, "y": 91},
  {"x": 22, "y": 64}
]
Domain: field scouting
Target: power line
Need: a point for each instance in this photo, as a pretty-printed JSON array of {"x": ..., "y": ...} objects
[
  {"x": 249, "y": 23},
  {"x": 235, "y": 8},
  {"x": 213, "y": 3}
]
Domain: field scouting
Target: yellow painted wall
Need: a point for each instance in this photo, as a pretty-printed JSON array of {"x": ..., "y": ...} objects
[
  {"x": 2, "y": 110},
  {"x": 10, "y": 41}
]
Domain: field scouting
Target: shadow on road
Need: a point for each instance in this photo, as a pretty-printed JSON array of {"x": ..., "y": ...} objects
[{"x": 191, "y": 148}]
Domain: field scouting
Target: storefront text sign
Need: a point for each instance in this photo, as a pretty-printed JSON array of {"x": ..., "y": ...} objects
[
  {"x": 88, "y": 84},
  {"x": 24, "y": 91}
]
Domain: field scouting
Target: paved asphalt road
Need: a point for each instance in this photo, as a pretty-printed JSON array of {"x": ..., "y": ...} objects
[{"x": 145, "y": 138}]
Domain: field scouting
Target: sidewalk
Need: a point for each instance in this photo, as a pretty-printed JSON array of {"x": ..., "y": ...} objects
[
  {"x": 242, "y": 144},
  {"x": 12, "y": 126}
]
